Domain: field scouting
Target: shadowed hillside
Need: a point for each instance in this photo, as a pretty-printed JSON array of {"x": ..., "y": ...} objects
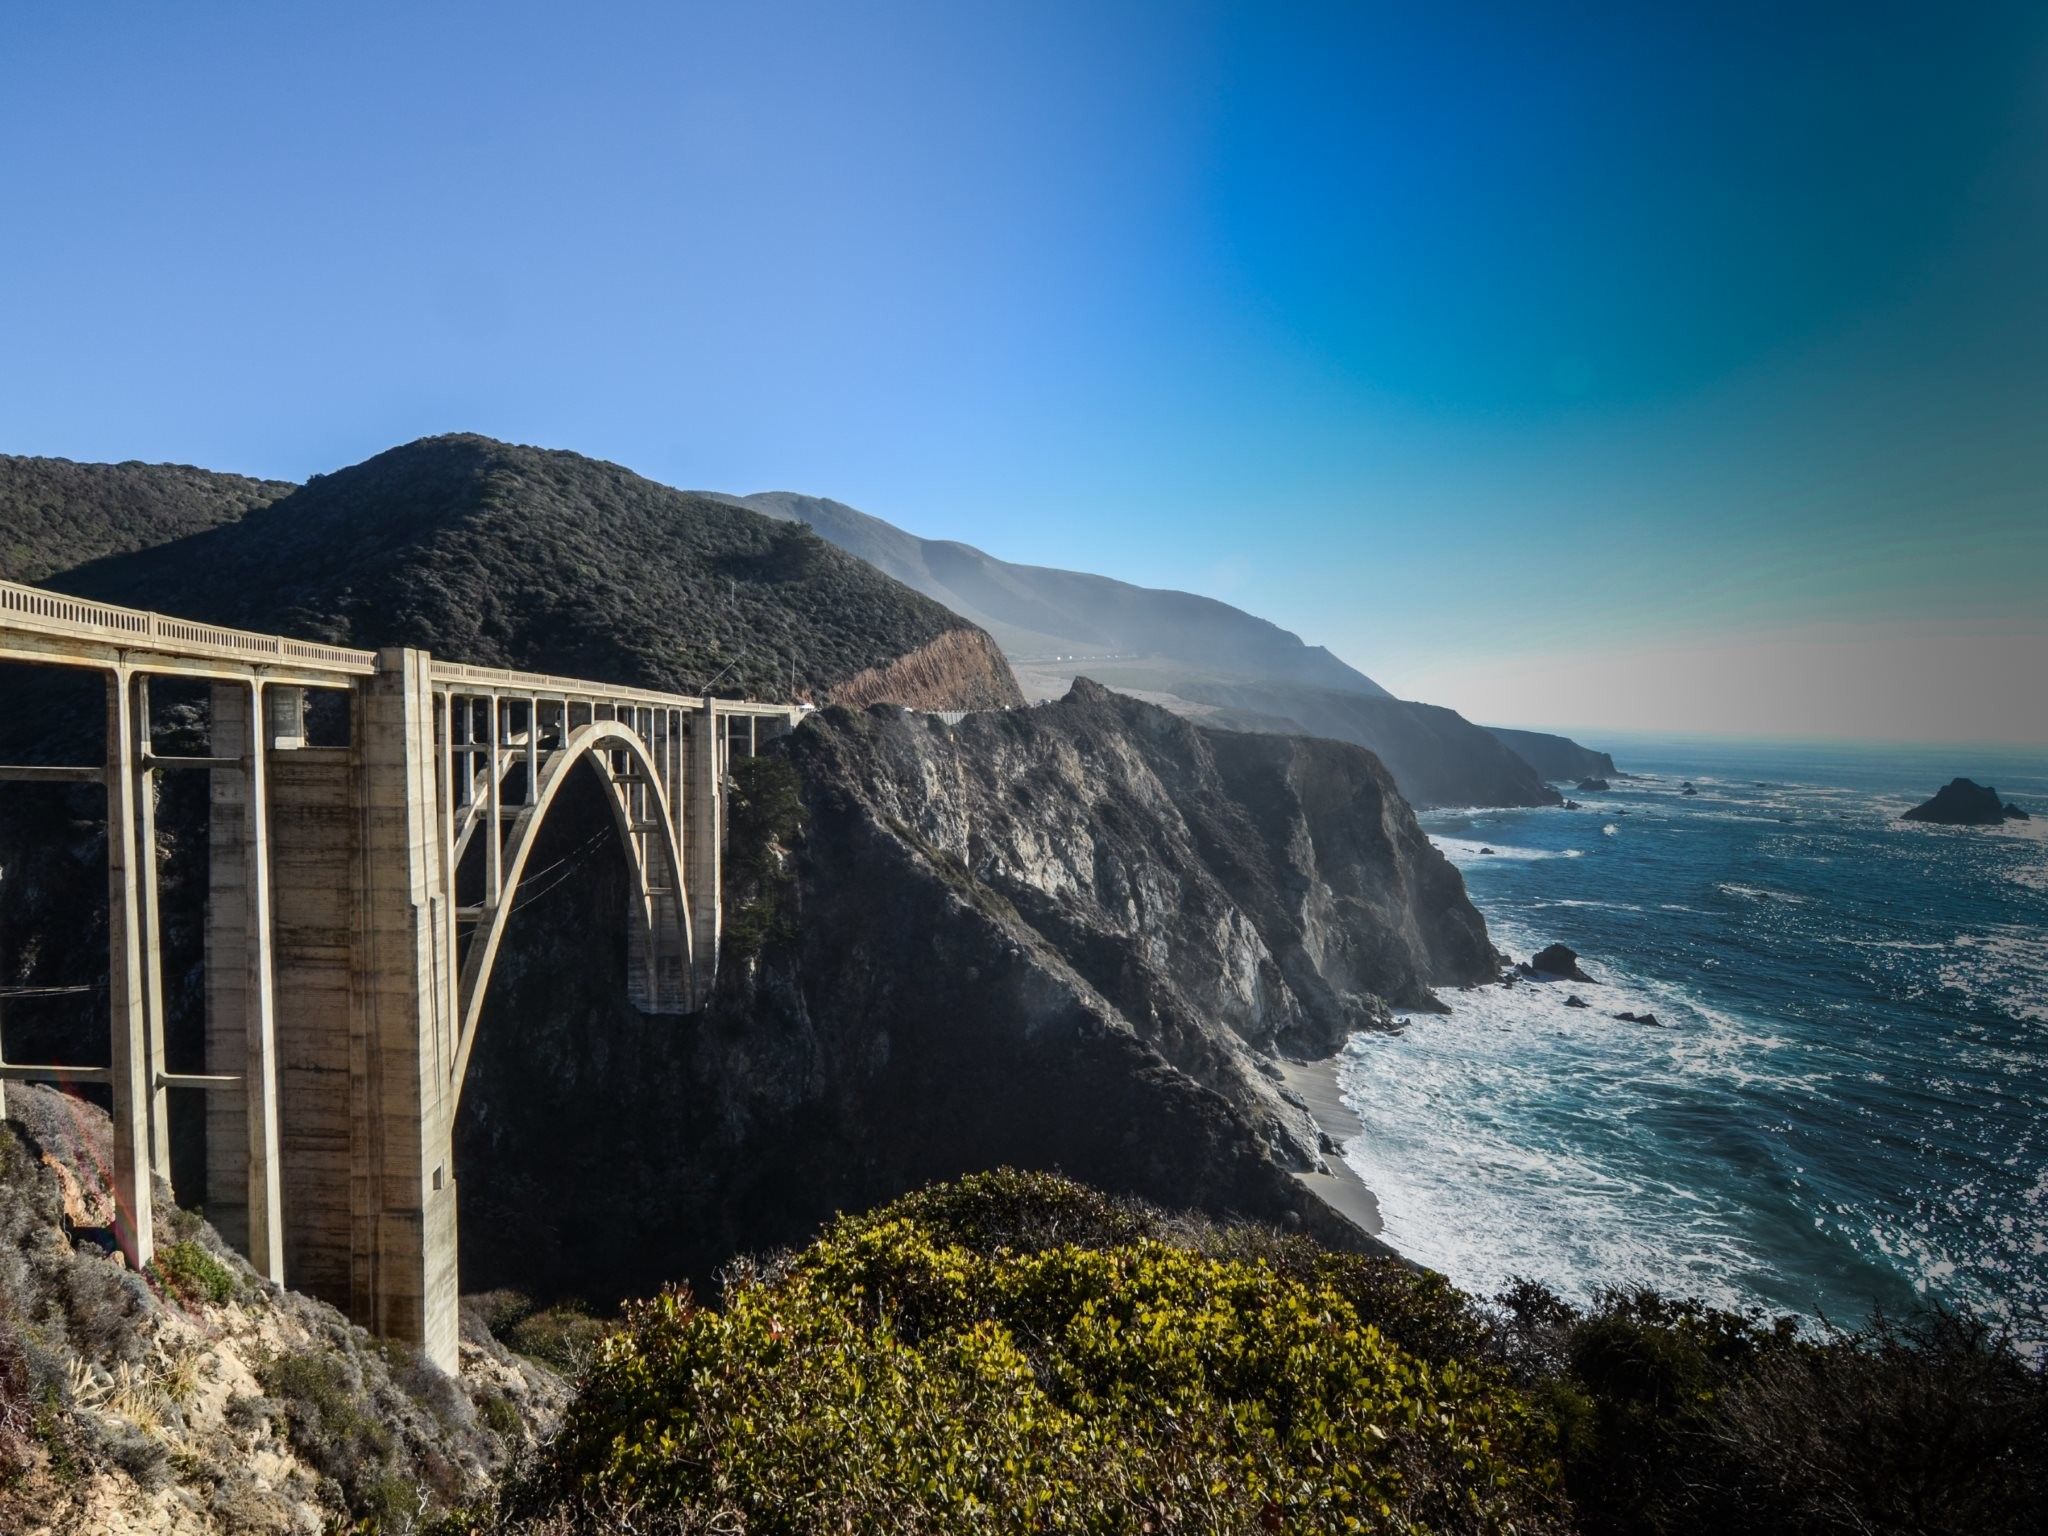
[{"x": 55, "y": 514}]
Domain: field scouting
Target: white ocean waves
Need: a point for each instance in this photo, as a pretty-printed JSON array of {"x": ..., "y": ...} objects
[
  {"x": 1486, "y": 1172},
  {"x": 1462, "y": 851}
]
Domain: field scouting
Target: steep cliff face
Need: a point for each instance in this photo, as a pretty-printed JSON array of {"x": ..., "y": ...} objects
[
  {"x": 1436, "y": 755},
  {"x": 1554, "y": 757},
  {"x": 1278, "y": 885},
  {"x": 1066, "y": 937}
]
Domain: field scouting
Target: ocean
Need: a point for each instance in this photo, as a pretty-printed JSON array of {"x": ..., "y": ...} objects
[{"x": 1844, "y": 1103}]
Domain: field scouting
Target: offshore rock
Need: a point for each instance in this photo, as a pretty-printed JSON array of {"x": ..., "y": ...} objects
[
  {"x": 1558, "y": 960},
  {"x": 1962, "y": 803}
]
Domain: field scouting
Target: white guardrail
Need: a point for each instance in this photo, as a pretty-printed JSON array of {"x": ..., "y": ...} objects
[{"x": 52, "y": 613}]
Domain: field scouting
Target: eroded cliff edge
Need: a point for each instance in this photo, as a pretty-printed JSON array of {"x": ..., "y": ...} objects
[{"x": 1069, "y": 937}]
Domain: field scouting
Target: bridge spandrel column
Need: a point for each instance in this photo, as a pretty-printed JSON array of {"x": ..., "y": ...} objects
[
  {"x": 227, "y": 972},
  {"x": 703, "y": 824},
  {"x": 133, "y": 1218},
  {"x": 401, "y": 1036},
  {"x": 313, "y": 821}
]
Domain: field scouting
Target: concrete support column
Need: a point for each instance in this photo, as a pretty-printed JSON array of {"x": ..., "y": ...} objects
[
  {"x": 313, "y": 821},
  {"x": 703, "y": 825},
  {"x": 227, "y": 970},
  {"x": 402, "y": 1042},
  {"x": 133, "y": 1219},
  {"x": 152, "y": 938},
  {"x": 259, "y": 1061}
]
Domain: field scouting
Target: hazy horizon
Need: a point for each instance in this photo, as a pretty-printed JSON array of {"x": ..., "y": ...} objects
[{"x": 1678, "y": 370}]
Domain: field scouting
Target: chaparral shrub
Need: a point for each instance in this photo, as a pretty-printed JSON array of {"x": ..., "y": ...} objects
[{"x": 894, "y": 1378}]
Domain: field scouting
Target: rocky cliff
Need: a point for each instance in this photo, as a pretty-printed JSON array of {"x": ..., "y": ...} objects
[
  {"x": 1436, "y": 755},
  {"x": 1554, "y": 757},
  {"x": 959, "y": 670},
  {"x": 1075, "y": 936}
]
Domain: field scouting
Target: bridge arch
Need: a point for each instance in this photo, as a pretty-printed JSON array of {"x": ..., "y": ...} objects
[{"x": 654, "y": 848}]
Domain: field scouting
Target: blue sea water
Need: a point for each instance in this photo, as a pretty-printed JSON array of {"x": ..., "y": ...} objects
[{"x": 1846, "y": 1100}]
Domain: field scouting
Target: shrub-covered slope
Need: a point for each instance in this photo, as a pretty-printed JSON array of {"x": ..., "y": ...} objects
[
  {"x": 1015, "y": 1352},
  {"x": 1436, "y": 755},
  {"x": 197, "y": 1398},
  {"x": 55, "y": 514},
  {"x": 501, "y": 555}
]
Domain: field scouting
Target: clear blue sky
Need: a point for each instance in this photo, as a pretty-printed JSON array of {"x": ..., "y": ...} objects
[{"x": 1635, "y": 365}]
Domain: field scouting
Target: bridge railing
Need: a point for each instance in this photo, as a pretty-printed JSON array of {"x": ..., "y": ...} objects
[
  {"x": 53, "y": 613},
  {"x": 546, "y": 685},
  {"x": 457, "y": 674}
]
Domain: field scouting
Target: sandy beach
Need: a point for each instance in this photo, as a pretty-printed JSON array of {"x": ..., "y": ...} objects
[{"x": 1315, "y": 1083}]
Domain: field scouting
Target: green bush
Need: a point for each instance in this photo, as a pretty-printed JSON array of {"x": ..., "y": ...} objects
[
  {"x": 191, "y": 1274},
  {"x": 1015, "y": 1352},
  {"x": 893, "y": 1378},
  {"x": 325, "y": 1417},
  {"x": 500, "y": 1416},
  {"x": 563, "y": 1336},
  {"x": 1674, "y": 1416}
]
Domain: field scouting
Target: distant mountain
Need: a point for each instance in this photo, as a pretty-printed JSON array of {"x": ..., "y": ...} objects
[
  {"x": 1555, "y": 757},
  {"x": 1436, "y": 755},
  {"x": 55, "y": 514},
  {"x": 524, "y": 557},
  {"x": 1044, "y": 618},
  {"x": 1194, "y": 655}
]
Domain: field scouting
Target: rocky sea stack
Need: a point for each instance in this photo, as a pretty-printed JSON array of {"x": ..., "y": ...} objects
[
  {"x": 1965, "y": 803},
  {"x": 1557, "y": 960}
]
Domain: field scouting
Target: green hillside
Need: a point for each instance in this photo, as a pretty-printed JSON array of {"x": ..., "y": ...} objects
[
  {"x": 55, "y": 514},
  {"x": 515, "y": 556}
]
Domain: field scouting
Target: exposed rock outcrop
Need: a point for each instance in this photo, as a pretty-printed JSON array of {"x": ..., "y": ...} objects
[
  {"x": 1965, "y": 803},
  {"x": 960, "y": 670}
]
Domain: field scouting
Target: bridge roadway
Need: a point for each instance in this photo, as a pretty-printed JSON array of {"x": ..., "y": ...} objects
[{"x": 372, "y": 815}]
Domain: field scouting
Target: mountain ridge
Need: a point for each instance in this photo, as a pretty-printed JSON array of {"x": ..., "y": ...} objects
[
  {"x": 1197, "y": 656},
  {"x": 507, "y": 555},
  {"x": 1050, "y": 608}
]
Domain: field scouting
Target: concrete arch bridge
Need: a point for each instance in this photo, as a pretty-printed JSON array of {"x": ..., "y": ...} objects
[{"x": 360, "y": 880}]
